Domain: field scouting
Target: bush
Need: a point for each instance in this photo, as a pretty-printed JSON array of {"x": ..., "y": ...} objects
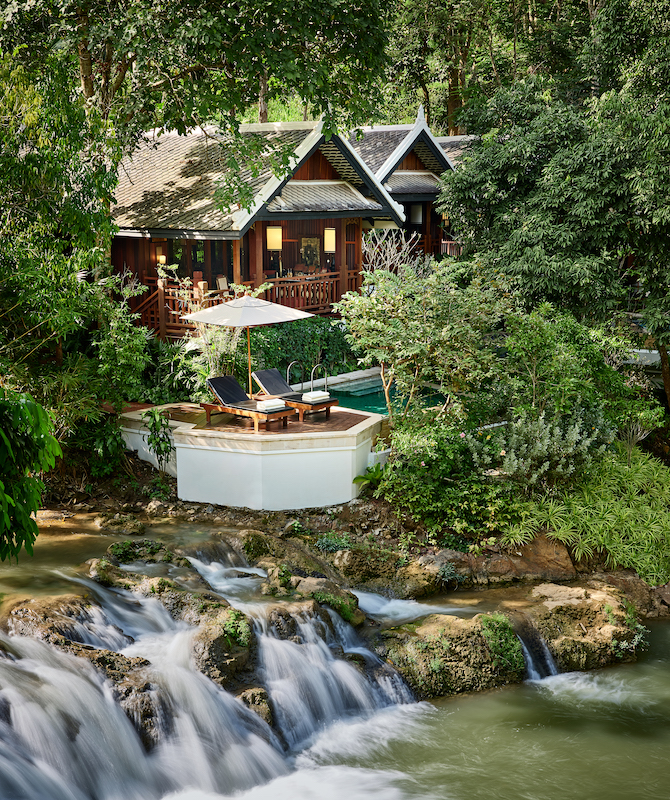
[
  {"x": 619, "y": 514},
  {"x": 433, "y": 476},
  {"x": 535, "y": 452}
]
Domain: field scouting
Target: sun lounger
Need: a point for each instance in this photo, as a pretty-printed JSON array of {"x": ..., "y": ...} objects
[
  {"x": 233, "y": 400},
  {"x": 272, "y": 383}
]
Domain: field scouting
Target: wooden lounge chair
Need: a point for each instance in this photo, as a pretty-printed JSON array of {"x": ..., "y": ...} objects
[
  {"x": 272, "y": 383},
  {"x": 233, "y": 400}
]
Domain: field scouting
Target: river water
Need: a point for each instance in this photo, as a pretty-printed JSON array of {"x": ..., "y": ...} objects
[{"x": 578, "y": 736}]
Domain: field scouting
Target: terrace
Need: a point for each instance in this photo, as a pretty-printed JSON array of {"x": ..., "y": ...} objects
[{"x": 305, "y": 465}]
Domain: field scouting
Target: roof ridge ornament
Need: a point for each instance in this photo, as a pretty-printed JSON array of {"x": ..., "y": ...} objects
[{"x": 420, "y": 116}]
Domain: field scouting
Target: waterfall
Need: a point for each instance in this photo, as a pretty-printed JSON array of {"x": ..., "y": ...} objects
[
  {"x": 315, "y": 668},
  {"x": 537, "y": 656},
  {"x": 65, "y": 733}
]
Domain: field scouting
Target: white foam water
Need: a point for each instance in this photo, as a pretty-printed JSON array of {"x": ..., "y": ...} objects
[{"x": 399, "y": 612}]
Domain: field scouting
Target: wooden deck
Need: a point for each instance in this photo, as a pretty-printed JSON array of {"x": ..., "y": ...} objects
[{"x": 340, "y": 420}]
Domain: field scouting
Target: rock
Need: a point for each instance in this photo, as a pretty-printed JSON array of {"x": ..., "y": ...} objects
[
  {"x": 221, "y": 646},
  {"x": 52, "y": 619},
  {"x": 133, "y": 688},
  {"x": 126, "y": 524},
  {"x": 445, "y": 655},
  {"x": 328, "y": 593},
  {"x": 539, "y": 560},
  {"x": 585, "y": 627},
  {"x": 649, "y": 601},
  {"x": 258, "y": 701}
]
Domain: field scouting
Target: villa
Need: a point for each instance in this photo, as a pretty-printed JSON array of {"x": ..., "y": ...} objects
[{"x": 301, "y": 232}]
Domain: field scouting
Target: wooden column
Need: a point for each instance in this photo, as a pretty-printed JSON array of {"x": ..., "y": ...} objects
[
  {"x": 208, "y": 263},
  {"x": 341, "y": 240},
  {"x": 358, "y": 266},
  {"x": 162, "y": 311},
  {"x": 237, "y": 270},
  {"x": 260, "y": 235}
]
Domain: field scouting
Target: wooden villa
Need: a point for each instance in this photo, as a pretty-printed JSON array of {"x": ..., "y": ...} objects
[{"x": 302, "y": 232}]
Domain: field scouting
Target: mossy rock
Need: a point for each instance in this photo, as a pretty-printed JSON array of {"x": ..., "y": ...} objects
[{"x": 445, "y": 655}]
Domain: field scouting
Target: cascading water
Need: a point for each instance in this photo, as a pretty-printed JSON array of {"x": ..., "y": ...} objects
[
  {"x": 301, "y": 663},
  {"x": 64, "y": 735},
  {"x": 538, "y": 659}
]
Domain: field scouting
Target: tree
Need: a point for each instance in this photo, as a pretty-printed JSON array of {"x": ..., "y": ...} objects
[
  {"x": 423, "y": 326},
  {"x": 26, "y": 448},
  {"x": 572, "y": 204},
  {"x": 141, "y": 64}
]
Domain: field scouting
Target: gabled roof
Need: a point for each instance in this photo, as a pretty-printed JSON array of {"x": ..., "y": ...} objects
[
  {"x": 384, "y": 147},
  {"x": 414, "y": 182},
  {"x": 321, "y": 196},
  {"x": 455, "y": 146},
  {"x": 167, "y": 186}
]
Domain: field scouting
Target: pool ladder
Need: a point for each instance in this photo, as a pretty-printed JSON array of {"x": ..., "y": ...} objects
[{"x": 302, "y": 374}]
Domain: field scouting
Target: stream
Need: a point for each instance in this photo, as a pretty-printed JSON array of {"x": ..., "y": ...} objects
[{"x": 346, "y": 725}]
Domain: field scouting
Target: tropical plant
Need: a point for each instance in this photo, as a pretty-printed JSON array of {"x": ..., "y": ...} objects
[
  {"x": 159, "y": 440},
  {"x": 27, "y": 447},
  {"x": 620, "y": 514}
]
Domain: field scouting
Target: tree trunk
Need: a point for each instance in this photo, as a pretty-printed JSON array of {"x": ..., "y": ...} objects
[
  {"x": 665, "y": 370},
  {"x": 263, "y": 99},
  {"x": 454, "y": 101},
  {"x": 85, "y": 61}
]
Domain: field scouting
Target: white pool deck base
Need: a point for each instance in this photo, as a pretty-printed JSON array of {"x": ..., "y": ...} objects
[{"x": 268, "y": 471}]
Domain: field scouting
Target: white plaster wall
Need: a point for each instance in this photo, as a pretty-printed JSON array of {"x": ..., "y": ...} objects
[
  {"x": 280, "y": 472},
  {"x": 271, "y": 480}
]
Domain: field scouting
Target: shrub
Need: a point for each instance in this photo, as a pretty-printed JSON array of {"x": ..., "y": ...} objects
[
  {"x": 502, "y": 642},
  {"x": 620, "y": 514},
  {"x": 433, "y": 476},
  {"x": 540, "y": 453},
  {"x": 332, "y": 542},
  {"x": 158, "y": 438}
]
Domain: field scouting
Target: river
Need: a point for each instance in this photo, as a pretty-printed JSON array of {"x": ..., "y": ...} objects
[{"x": 578, "y": 736}]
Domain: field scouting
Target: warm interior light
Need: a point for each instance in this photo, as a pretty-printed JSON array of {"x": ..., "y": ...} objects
[
  {"x": 274, "y": 238},
  {"x": 161, "y": 260},
  {"x": 416, "y": 214},
  {"x": 329, "y": 240}
]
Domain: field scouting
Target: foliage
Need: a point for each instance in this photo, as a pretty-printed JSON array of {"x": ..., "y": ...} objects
[
  {"x": 102, "y": 441},
  {"x": 332, "y": 542},
  {"x": 447, "y": 575},
  {"x": 143, "y": 65},
  {"x": 620, "y": 514},
  {"x": 159, "y": 440},
  {"x": 236, "y": 628},
  {"x": 170, "y": 375},
  {"x": 27, "y": 446},
  {"x": 432, "y": 475},
  {"x": 371, "y": 478},
  {"x": 423, "y": 324},
  {"x": 538, "y": 452},
  {"x": 503, "y": 643}
]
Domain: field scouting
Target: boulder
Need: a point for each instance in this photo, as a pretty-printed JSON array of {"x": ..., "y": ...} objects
[
  {"x": 539, "y": 560},
  {"x": 586, "y": 627},
  {"x": 330, "y": 594},
  {"x": 445, "y": 655},
  {"x": 221, "y": 646},
  {"x": 258, "y": 700}
]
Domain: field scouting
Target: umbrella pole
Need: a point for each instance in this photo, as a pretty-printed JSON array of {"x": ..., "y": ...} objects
[{"x": 249, "y": 359}]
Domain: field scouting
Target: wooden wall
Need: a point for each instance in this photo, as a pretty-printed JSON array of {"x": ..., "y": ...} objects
[
  {"x": 411, "y": 161},
  {"x": 317, "y": 167}
]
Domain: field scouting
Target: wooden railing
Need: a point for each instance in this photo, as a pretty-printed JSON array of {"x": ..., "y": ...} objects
[
  {"x": 164, "y": 305},
  {"x": 314, "y": 293},
  {"x": 450, "y": 248}
]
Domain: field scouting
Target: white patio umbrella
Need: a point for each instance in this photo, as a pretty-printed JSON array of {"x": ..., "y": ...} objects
[{"x": 247, "y": 312}]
